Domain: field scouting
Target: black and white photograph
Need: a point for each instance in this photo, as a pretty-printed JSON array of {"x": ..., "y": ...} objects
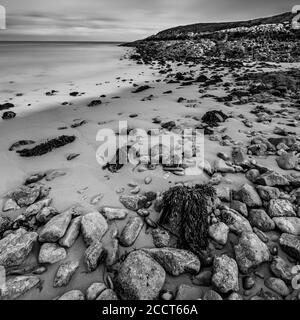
[{"x": 149, "y": 151}]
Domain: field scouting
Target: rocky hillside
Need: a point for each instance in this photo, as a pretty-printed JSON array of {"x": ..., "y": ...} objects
[
  {"x": 198, "y": 29},
  {"x": 265, "y": 39}
]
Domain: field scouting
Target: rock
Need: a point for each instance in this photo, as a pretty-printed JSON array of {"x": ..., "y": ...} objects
[
  {"x": 112, "y": 251},
  {"x": 94, "y": 255},
  {"x": 272, "y": 179},
  {"x": 252, "y": 175},
  {"x": 26, "y": 195},
  {"x": 250, "y": 252},
  {"x": 114, "y": 213},
  {"x": 131, "y": 231},
  {"x": 225, "y": 274},
  {"x": 15, "y": 247},
  {"x": 249, "y": 196},
  {"x": 289, "y": 141},
  {"x": 140, "y": 277},
  {"x": 133, "y": 202},
  {"x": 240, "y": 207},
  {"x": 268, "y": 193},
  {"x": 56, "y": 228},
  {"x": 64, "y": 273},
  {"x": 18, "y": 286},
  {"x": 203, "y": 278},
  {"x": 71, "y": 234},
  {"x": 161, "y": 238},
  {"x": 5, "y": 224},
  {"x": 94, "y": 290},
  {"x": 260, "y": 219},
  {"x": 175, "y": 261},
  {"x": 288, "y": 225},
  {"x": 8, "y": 115},
  {"x": 278, "y": 286},
  {"x": 235, "y": 296},
  {"x": 291, "y": 245},
  {"x": 187, "y": 292},
  {"x": 72, "y": 295},
  {"x": 51, "y": 253},
  {"x": 35, "y": 208},
  {"x": 281, "y": 208},
  {"x": 287, "y": 161},
  {"x": 236, "y": 222},
  {"x": 46, "y": 214},
  {"x": 223, "y": 193},
  {"x": 166, "y": 295},
  {"x": 107, "y": 294},
  {"x": 93, "y": 227},
  {"x": 219, "y": 232},
  {"x": 239, "y": 156},
  {"x": 9, "y": 205},
  {"x": 282, "y": 269},
  {"x": 249, "y": 282},
  {"x": 221, "y": 166},
  {"x": 211, "y": 295}
]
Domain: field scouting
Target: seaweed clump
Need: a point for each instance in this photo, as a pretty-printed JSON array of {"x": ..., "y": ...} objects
[
  {"x": 185, "y": 211},
  {"x": 47, "y": 146},
  {"x": 214, "y": 117}
]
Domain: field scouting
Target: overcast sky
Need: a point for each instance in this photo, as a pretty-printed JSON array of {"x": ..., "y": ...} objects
[{"x": 123, "y": 20}]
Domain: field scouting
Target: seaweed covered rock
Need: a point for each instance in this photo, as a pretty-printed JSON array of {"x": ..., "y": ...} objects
[
  {"x": 185, "y": 212},
  {"x": 214, "y": 117},
  {"x": 140, "y": 277},
  {"x": 47, "y": 146},
  {"x": 8, "y": 115}
]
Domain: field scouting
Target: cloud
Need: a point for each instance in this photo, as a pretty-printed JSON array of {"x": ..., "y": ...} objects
[{"x": 123, "y": 20}]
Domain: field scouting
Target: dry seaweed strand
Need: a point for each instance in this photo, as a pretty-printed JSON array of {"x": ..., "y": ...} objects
[{"x": 188, "y": 208}]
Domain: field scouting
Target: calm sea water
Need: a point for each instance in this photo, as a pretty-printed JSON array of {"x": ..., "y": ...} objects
[{"x": 41, "y": 63}]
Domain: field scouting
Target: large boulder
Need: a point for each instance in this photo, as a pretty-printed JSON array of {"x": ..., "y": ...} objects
[
  {"x": 268, "y": 193},
  {"x": 15, "y": 247},
  {"x": 16, "y": 287},
  {"x": 249, "y": 196},
  {"x": 235, "y": 221},
  {"x": 93, "y": 227},
  {"x": 260, "y": 219},
  {"x": 133, "y": 202},
  {"x": 287, "y": 161},
  {"x": 291, "y": 245},
  {"x": 219, "y": 232},
  {"x": 56, "y": 228},
  {"x": 140, "y": 277},
  {"x": 281, "y": 208},
  {"x": 282, "y": 269},
  {"x": 288, "y": 225},
  {"x": 175, "y": 261},
  {"x": 51, "y": 253},
  {"x": 225, "y": 274},
  {"x": 272, "y": 179},
  {"x": 250, "y": 252},
  {"x": 26, "y": 195}
]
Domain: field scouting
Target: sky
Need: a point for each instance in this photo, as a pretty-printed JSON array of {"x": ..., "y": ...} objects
[{"x": 123, "y": 20}]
